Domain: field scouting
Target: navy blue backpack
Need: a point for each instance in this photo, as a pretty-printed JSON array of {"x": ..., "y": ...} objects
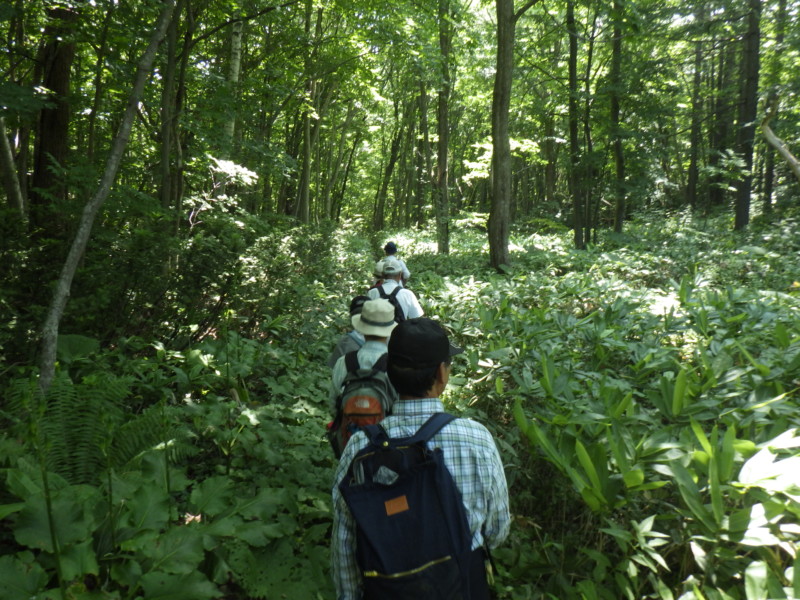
[{"x": 412, "y": 534}]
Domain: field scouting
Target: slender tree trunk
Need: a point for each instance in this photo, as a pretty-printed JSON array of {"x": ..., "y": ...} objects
[
  {"x": 380, "y": 198},
  {"x": 91, "y": 138},
  {"x": 443, "y": 126},
  {"x": 772, "y": 97},
  {"x": 9, "y": 172},
  {"x": 780, "y": 147},
  {"x": 62, "y": 290},
  {"x": 616, "y": 92},
  {"x": 234, "y": 68},
  {"x": 748, "y": 112},
  {"x": 499, "y": 215},
  {"x": 695, "y": 134},
  {"x": 574, "y": 147},
  {"x": 427, "y": 181},
  {"x": 168, "y": 111}
]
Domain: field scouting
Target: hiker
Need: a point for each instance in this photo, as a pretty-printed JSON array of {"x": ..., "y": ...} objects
[
  {"x": 352, "y": 340},
  {"x": 377, "y": 273},
  {"x": 419, "y": 364},
  {"x": 406, "y": 303},
  {"x": 391, "y": 251},
  {"x": 375, "y": 322}
]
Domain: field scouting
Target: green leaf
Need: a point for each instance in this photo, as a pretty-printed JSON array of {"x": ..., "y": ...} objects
[
  {"x": 22, "y": 580},
  {"x": 633, "y": 478},
  {"x": 755, "y": 580},
  {"x": 701, "y": 437},
  {"x": 588, "y": 466},
  {"x": 212, "y": 496},
  {"x": 679, "y": 393},
  {"x": 691, "y": 495},
  {"x": 158, "y": 585}
]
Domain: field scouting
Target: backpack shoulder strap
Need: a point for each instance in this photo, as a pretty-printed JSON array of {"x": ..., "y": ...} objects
[
  {"x": 431, "y": 427},
  {"x": 352, "y": 335},
  {"x": 393, "y": 295},
  {"x": 351, "y": 361},
  {"x": 382, "y": 292},
  {"x": 382, "y": 363}
]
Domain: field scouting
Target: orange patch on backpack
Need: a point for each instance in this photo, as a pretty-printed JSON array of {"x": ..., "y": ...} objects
[{"x": 396, "y": 505}]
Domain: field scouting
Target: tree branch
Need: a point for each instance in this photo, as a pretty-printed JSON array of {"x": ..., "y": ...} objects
[
  {"x": 524, "y": 9},
  {"x": 779, "y": 145}
]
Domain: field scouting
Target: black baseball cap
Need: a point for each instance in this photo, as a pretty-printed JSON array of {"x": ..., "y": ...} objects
[{"x": 420, "y": 342}]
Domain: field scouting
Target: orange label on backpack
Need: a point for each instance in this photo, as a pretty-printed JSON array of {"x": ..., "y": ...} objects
[{"x": 396, "y": 505}]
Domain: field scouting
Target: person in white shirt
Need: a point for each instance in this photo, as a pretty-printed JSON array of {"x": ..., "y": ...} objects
[
  {"x": 391, "y": 251},
  {"x": 392, "y": 273}
]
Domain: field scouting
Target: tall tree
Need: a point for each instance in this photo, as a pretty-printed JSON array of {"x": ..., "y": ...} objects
[
  {"x": 55, "y": 59},
  {"x": 616, "y": 130},
  {"x": 443, "y": 126},
  {"x": 500, "y": 215},
  {"x": 574, "y": 144},
  {"x": 748, "y": 111}
]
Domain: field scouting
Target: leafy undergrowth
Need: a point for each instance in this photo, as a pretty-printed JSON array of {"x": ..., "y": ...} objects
[{"x": 643, "y": 394}]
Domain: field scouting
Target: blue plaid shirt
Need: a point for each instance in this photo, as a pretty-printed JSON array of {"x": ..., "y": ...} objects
[{"x": 470, "y": 454}]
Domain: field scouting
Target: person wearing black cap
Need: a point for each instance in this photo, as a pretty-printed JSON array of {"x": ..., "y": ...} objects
[
  {"x": 419, "y": 364},
  {"x": 391, "y": 251}
]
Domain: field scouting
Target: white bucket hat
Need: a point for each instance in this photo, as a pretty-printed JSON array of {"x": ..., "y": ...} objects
[
  {"x": 378, "y": 272},
  {"x": 391, "y": 267},
  {"x": 376, "y": 318}
]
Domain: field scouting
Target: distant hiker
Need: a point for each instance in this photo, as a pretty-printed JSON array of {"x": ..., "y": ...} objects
[
  {"x": 384, "y": 531},
  {"x": 375, "y": 322},
  {"x": 391, "y": 250},
  {"x": 377, "y": 273},
  {"x": 353, "y": 340},
  {"x": 406, "y": 303}
]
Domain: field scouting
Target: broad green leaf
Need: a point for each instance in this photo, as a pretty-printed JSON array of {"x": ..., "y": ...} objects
[
  {"x": 212, "y": 496},
  {"x": 755, "y": 580},
  {"x": 158, "y": 585},
  {"x": 633, "y": 478},
  {"x": 22, "y": 580}
]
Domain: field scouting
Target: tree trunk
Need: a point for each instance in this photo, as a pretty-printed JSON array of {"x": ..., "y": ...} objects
[
  {"x": 501, "y": 147},
  {"x": 62, "y": 290},
  {"x": 52, "y": 135},
  {"x": 574, "y": 147},
  {"x": 380, "y": 198},
  {"x": 616, "y": 92},
  {"x": 748, "y": 112},
  {"x": 773, "y": 79},
  {"x": 234, "y": 68},
  {"x": 695, "y": 134},
  {"x": 168, "y": 111},
  {"x": 8, "y": 169},
  {"x": 443, "y": 126}
]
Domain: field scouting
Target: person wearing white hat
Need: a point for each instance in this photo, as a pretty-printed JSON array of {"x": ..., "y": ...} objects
[
  {"x": 393, "y": 288},
  {"x": 375, "y": 322}
]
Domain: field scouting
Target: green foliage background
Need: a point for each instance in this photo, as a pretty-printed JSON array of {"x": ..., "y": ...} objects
[{"x": 643, "y": 394}]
